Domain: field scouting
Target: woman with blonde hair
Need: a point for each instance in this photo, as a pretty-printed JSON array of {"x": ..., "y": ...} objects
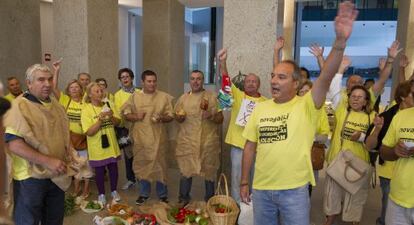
[{"x": 98, "y": 123}]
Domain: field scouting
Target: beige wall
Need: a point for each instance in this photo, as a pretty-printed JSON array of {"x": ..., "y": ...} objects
[
  {"x": 249, "y": 36},
  {"x": 20, "y": 37}
]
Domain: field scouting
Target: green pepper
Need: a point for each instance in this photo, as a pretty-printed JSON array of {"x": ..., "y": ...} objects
[{"x": 171, "y": 218}]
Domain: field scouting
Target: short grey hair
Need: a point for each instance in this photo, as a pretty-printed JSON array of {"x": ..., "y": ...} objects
[
  {"x": 296, "y": 69},
  {"x": 36, "y": 67}
]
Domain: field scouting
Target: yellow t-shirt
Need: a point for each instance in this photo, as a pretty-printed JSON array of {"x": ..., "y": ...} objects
[
  {"x": 10, "y": 97},
  {"x": 322, "y": 126},
  {"x": 385, "y": 170},
  {"x": 284, "y": 133},
  {"x": 73, "y": 110},
  {"x": 121, "y": 97},
  {"x": 234, "y": 131},
  {"x": 20, "y": 166},
  {"x": 356, "y": 121},
  {"x": 402, "y": 182},
  {"x": 89, "y": 117}
]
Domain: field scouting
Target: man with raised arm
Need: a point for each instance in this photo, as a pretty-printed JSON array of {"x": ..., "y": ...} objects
[
  {"x": 241, "y": 109},
  {"x": 280, "y": 133}
]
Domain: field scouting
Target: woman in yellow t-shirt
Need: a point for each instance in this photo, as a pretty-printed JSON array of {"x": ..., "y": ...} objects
[
  {"x": 71, "y": 100},
  {"x": 352, "y": 122},
  {"x": 98, "y": 121}
]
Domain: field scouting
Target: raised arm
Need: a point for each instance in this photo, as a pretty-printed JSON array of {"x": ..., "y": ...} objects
[
  {"x": 280, "y": 42},
  {"x": 343, "y": 29},
  {"x": 55, "y": 82},
  {"x": 334, "y": 93},
  {"x": 386, "y": 72},
  {"x": 222, "y": 56},
  {"x": 403, "y": 64},
  {"x": 316, "y": 50},
  {"x": 372, "y": 140}
]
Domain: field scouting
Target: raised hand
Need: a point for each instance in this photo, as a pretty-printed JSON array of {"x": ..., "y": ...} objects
[
  {"x": 378, "y": 122},
  {"x": 222, "y": 55},
  {"x": 394, "y": 49},
  {"x": 381, "y": 63},
  {"x": 404, "y": 61},
  {"x": 316, "y": 50},
  {"x": 344, "y": 20},
  {"x": 56, "y": 64},
  {"x": 280, "y": 42}
]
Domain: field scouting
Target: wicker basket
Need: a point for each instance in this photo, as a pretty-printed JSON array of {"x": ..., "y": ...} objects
[{"x": 225, "y": 199}]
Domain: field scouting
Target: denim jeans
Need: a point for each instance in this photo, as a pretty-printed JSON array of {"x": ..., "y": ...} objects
[
  {"x": 128, "y": 168},
  {"x": 292, "y": 206},
  {"x": 398, "y": 215},
  {"x": 185, "y": 189},
  {"x": 236, "y": 156},
  {"x": 385, "y": 189},
  {"x": 38, "y": 201},
  {"x": 145, "y": 189}
]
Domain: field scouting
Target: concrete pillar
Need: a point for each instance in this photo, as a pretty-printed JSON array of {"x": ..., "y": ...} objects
[
  {"x": 250, "y": 29},
  {"x": 289, "y": 29},
  {"x": 249, "y": 36},
  {"x": 405, "y": 32},
  {"x": 163, "y": 43},
  {"x": 86, "y": 36},
  {"x": 20, "y": 38}
]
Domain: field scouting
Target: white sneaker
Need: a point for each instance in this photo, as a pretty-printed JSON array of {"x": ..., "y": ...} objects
[
  {"x": 128, "y": 184},
  {"x": 115, "y": 196},
  {"x": 102, "y": 199}
]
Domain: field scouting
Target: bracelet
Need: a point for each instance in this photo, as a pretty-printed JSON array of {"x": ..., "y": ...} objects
[{"x": 243, "y": 184}]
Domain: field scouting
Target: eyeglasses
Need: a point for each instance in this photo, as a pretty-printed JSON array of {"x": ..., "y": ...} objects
[{"x": 356, "y": 97}]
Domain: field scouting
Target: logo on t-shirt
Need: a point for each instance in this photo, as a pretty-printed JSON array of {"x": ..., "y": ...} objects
[
  {"x": 270, "y": 133},
  {"x": 352, "y": 127}
]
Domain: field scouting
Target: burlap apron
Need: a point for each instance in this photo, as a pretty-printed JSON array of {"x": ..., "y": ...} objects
[
  {"x": 150, "y": 140},
  {"x": 198, "y": 145},
  {"x": 46, "y": 129}
]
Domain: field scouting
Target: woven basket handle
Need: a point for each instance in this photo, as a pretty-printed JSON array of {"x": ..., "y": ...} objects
[{"x": 219, "y": 190}]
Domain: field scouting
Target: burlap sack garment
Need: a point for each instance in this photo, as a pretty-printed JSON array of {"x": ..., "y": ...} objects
[
  {"x": 198, "y": 145},
  {"x": 150, "y": 140},
  {"x": 46, "y": 129}
]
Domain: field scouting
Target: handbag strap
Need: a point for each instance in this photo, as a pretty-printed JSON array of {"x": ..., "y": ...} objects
[
  {"x": 342, "y": 129},
  {"x": 67, "y": 106}
]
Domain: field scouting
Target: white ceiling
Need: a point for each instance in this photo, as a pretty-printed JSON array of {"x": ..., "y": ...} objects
[{"x": 187, "y": 3}]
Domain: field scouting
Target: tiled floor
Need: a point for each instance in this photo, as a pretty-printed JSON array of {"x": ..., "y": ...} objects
[{"x": 371, "y": 212}]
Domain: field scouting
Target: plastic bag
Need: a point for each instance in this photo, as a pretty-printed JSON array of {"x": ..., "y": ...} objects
[{"x": 246, "y": 214}]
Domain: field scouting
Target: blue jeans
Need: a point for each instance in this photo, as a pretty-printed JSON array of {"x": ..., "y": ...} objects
[
  {"x": 385, "y": 189},
  {"x": 38, "y": 201},
  {"x": 236, "y": 156},
  {"x": 291, "y": 206},
  {"x": 185, "y": 189},
  {"x": 145, "y": 189}
]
